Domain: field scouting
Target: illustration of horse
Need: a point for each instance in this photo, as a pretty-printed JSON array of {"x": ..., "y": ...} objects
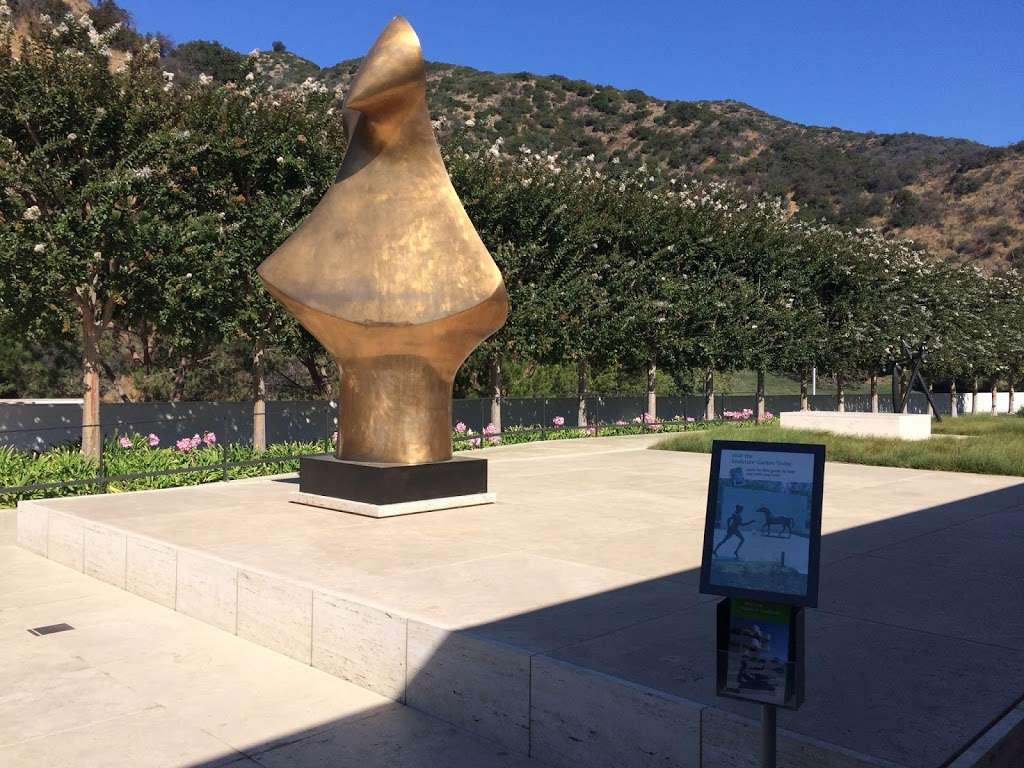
[{"x": 784, "y": 523}]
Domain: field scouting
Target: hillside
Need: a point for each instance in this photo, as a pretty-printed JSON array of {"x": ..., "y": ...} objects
[{"x": 961, "y": 199}]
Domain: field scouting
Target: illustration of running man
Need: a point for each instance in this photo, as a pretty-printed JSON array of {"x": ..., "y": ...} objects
[{"x": 734, "y": 523}]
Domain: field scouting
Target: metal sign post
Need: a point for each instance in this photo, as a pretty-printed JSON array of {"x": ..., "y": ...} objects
[{"x": 768, "y": 733}]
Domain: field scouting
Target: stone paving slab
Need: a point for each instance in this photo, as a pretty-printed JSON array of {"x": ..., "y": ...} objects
[
  {"x": 134, "y": 685},
  {"x": 589, "y": 559}
]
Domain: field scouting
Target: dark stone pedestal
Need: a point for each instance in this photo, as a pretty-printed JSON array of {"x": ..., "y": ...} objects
[{"x": 379, "y": 484}]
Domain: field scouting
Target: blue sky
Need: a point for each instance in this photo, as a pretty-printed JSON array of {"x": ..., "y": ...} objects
[{"x": 931, "y": 66}]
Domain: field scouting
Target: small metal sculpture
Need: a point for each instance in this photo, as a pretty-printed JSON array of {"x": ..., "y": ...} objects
[
  {"x": 387, "y": 272},
  {"x": 915, "y": 358}
]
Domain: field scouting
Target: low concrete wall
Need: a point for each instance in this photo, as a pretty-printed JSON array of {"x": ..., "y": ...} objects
[{"x": 904, "y": 426}]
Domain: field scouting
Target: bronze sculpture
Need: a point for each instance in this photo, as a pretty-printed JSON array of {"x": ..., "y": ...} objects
[
  {"x": 915, "y": 358},
  {"x": 388, "y": 272}
]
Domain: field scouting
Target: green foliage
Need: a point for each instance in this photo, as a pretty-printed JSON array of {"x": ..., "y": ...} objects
[{"x": 192, "y": 59}]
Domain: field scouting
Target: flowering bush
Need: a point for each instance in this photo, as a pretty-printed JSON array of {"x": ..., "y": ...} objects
[
  {"x": 492, "y": 432},
  {"x": 558, "y": 421},
  {"x": 743, "y": 415}
]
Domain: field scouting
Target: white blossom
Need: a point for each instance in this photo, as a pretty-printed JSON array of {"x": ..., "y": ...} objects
[
  {"x": 250, "y": 77},
  {"x": 39, "y": 248},
  {"x": 169, "y": 76},
  {"x": 205, "y": 79},
  {"x": 32, "y": 213}
]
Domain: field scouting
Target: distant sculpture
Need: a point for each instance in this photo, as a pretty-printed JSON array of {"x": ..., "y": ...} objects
[
  {"x": 915, "y": 358},
  {"x": 387, "y": 272}
]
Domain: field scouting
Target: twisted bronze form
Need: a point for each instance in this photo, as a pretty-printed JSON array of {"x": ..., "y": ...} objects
[{"x": 387, "y": 272}]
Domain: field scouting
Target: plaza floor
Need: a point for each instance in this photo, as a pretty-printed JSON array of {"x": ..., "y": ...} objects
[
  {"x": 581, "y": 584},
  {"x": 134, "y": 685}
]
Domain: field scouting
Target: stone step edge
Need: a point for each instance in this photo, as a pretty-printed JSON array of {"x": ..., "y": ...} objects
[{"x": 529, "y": 703}]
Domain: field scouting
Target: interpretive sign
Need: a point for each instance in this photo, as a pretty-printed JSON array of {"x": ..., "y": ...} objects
[
  {"x": 762, "y": 535},
  {"x": 760, "y": 652}
]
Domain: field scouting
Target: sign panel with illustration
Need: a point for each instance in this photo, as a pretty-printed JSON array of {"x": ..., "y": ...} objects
[{"x": 763, "y": 529}]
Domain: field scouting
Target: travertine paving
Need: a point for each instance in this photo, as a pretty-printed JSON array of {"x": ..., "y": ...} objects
[
  {"x": 138, "y": 686},
  {"x": 565, "y": 621}
]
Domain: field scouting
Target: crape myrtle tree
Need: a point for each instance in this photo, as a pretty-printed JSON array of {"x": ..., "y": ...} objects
[
  {"x": 643, "y": 252},
  {"x": 960, "y": 346},
  {"x": 777, "y": 320},
  {"x": 1002, "y": 321},
  {"x": 267, "y": 159},
  {"x": 707, "y": 294},
  {"x": 1013, "y": 333},
  {"x": 848, "y": 285},
  {"x": 512, "y": 201},
  {"x": 580, "y": 278},
  {"x": 86, "y": 207}
]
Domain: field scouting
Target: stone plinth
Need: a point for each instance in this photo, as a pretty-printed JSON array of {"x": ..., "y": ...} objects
[
  {"x": 902, "y": 426},
  {"x": 377, "y": 489}
]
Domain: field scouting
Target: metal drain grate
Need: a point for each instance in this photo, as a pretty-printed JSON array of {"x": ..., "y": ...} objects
[{"x": 49, "y": 629}]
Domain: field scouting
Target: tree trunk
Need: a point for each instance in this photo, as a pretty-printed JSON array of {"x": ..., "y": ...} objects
[
  {"x": 953, "y": 405},
  {"x": 931, "y": 411},
  {"x": 805, "y": 403},
  {"x": 873, "y": 381},
  {"x": 318, "y": 375},
  {"x": 652, "y": 395},
  {"x": 709, "y": 395},
  {"x": 995, "y": 395},
  {"x": 840, "y": 394},
  {"x": 92, "y": 432},
  {"x": 115, "y": 382},
  {"x": 581, "y": 392},
  {"x": 1012, "y": 408},
  {"x": 759, "y": 409},
  {"x": 974, "y": 396},
  {"x": 178, "y": 391},
  {"x": 259, "y": 405},
  {"x": 497, "y": 385},
  {"x": 904, "y": 394}
]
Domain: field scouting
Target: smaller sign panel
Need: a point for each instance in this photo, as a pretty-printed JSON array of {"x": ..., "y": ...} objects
[
  {"x": 760, "y": 652},
  {"x": 762, "y": 535}
]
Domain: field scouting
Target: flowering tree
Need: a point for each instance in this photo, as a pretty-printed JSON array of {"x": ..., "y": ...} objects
[
  {"x": 77, "y": 137},
  {"x": 266, "y": 160}
]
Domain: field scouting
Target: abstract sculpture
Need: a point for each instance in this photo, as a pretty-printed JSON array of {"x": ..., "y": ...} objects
[
  {"x": 915, "y": 358},
  {"x": 387, "y": 272}
]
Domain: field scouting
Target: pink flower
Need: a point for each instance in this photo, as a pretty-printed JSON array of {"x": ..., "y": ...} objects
[
  {"x": 194, "y": 441},
  {"x": 475, "y": 442},
  {"x": 769, "y": 415},
  {"x": 184, "y": 444},
  {"x": 652, "y": 422},
  {"x": 490, "y": 429},
  {"x": 125, "y": 442},
  {"x": 153, "y": 440},
  {"x": 209, "y": 438},
  {"x": 558, "y": 421},
  {"x": 690, "y": 419},
  {"x": 334, "y": 437},
  {"x": 460, "y": 428}
]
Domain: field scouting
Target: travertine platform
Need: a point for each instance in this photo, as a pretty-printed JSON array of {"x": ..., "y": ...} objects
[
  {"x": 903, "y": 426},
  {"x": 564, "y": 621}
]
